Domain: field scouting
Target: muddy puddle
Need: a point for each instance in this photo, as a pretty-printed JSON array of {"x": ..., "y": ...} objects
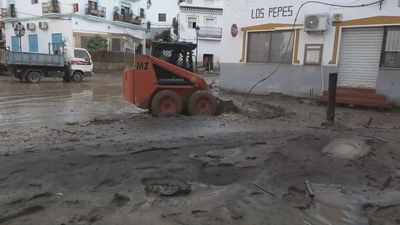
[
  {"x": 53, "y": 102},
  {"x": 334, "y": 205}
]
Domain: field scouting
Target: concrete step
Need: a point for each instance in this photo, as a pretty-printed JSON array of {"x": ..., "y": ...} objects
[{"x": 358, "y": 97}]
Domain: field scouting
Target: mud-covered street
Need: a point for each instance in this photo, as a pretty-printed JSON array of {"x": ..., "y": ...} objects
[{"x": 77, "y": 153}]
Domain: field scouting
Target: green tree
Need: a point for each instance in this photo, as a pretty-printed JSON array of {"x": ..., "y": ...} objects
[
  {"x": 165, "y": 36},
  {"x": 97, "y": 43}
]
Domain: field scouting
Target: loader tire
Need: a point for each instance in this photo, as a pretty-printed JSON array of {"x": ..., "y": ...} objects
[
  {"x": 202, "y": 103},
  {"x": 166, "y": 103},
  {"x": 33, "y": 77}
]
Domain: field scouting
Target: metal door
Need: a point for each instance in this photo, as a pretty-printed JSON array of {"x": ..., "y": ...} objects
[
  {"x": 15, "y": 44},
  {"x": 56, "y": 40},
  {"x": 360, "y": 55},
  {"x": 33, "y": 43}
]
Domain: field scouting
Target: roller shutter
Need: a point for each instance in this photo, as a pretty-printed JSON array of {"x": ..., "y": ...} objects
[{"x": 359, "y": 58}]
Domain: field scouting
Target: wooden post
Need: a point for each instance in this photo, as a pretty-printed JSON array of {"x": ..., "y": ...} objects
[{"x": 330, "y": 115}]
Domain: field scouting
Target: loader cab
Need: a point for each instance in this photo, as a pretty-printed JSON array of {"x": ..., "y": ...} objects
[{"x": 177, "y": 53}]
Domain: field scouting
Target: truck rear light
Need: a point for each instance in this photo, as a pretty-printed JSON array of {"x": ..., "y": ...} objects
[{"x": 18, "y": 71}]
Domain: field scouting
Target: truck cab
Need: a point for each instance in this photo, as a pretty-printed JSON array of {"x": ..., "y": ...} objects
[{"x": 79, "y": 63}]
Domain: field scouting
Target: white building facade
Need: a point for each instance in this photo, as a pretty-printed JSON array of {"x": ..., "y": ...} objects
[
  {"x": 361, "y": 44},
  {"x": 208, "y": 16},
  {"x": 50, "y": 22},
  {"x": 2, "y": 29},
  {"x": 161, "y": 16},
  {"x": 161, "y": 13}
]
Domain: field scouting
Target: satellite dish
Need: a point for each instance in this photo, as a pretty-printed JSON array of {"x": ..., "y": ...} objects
[{"x": 312, "y": 22}]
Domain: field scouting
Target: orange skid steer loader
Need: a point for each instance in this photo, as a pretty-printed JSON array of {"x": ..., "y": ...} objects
[{"x": 168, "y": 88}]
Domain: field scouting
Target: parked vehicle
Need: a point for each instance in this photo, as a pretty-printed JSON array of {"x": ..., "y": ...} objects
[{"x": 71, "y": 64}]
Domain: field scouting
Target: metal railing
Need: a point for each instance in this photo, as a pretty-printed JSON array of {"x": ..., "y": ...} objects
[
  {"x": 127, "y": 18},
  {"x": 210, "y": 32},
  {"x": 51, "y": 7},
  {"x": 99, "y": 12},
  {"x": 8, "y": 13}
]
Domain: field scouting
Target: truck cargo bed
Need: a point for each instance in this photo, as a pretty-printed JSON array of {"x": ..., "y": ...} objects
[{"x": 31, "y": 59}]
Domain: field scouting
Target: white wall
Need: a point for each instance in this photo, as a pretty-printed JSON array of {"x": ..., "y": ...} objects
[
  {"x": 240, "y": 12},
  {"x": 171, "y": 8},
  {"x": 26, "y": 9},
  {"x": 188, "y": 34},
  {"x": 73, "y": 22},
  {"x": 205, "y": 3},
  {"x": 44, "y": 36}
]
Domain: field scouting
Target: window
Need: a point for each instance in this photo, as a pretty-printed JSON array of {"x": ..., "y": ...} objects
[
  {"x": 84, "y": 41},
  {"x": 270, "y": 47},
  {"x": 142, "y": 13},
  {"x": 80, "y": 54},
  {"x": 209, "y": 21},
  {"x": 192, "y": 22},
  {"x": 93, "y": 5},
  {"x": 391, "y": 48},
  {"x": 162, "y": 17},
  {"x": 33, "y": 43},
  {"x": 126, "y": 14},
  {"x": 34, "y": 1},
  {"x": 313, "y": 54},
  {"x": 116, "y": 45}
]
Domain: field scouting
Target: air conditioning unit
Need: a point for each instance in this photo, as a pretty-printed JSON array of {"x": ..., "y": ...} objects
[
  {"x": 316, "y": 22},
  {"x": 31, "y": 26},
  {"x": 43, "y": 25},
  {"x": 337, "y": 17}
]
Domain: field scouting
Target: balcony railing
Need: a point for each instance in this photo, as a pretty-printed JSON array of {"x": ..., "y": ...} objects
[
  {"x": 51, "y": 7},
  {"x": 127, "y": 18},
  {"x": 8, "y": 13},
  {"x": 210, "y": 32},
  {"x": 99, "y": 12},
  {"x": 2, "y": 44}
]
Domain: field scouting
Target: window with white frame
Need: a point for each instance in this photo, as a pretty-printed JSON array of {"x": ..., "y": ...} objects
[
  {"x": 270, "y": 47},
  {"x": 209, "y": 21},
  {"x": 162, "y": 17},
  {"x": 192, "y": 21},
  {"x": 34, "y": 1},
  {"x": 391, "y": 48}
]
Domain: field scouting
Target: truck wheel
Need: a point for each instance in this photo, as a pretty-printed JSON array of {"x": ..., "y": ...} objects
[
  {"x": 77, "y": 76},
  {"x": 33, "y": 77},
  {"x": 202, "y": 103},
  {"x": 166, "y": 103}
]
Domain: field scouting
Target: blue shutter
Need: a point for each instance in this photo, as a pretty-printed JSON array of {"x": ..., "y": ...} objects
[
  {"x": 33, "y": 43},
  {"x": 56, "y": 40},
  {"x": 15, "y": 44}
]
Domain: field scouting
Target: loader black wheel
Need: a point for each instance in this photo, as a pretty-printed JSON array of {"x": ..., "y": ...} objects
[
  {"x": 77, "y": 76},
  {"x": 202, "y": 103},
  {"x": 166, "y": 103},
  {"x": 33, "y": 77}
]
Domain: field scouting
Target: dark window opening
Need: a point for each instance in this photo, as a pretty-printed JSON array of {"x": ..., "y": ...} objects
[
  {"x": 270, "y": 47},
  {"x": 391, "y": 48},
  {"x": 162, "y": 17}
]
